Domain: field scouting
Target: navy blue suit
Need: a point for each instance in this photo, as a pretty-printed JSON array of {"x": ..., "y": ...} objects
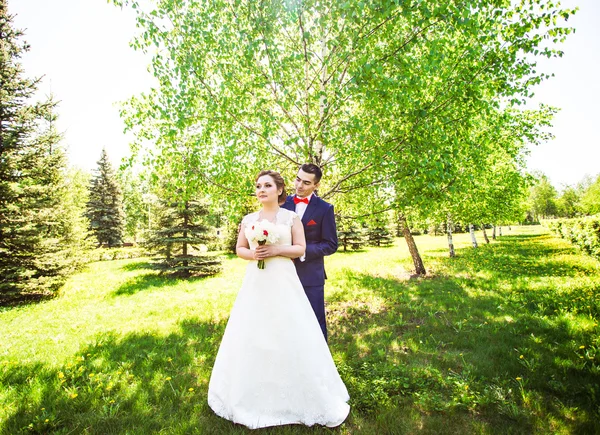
[{"x": 321, "y": 240}]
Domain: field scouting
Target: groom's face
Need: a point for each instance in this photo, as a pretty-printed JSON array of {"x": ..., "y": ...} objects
[{"x": 305, "y": 184}]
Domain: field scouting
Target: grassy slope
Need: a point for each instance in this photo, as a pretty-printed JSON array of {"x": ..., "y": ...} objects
[{"x": 502, "y": 339}]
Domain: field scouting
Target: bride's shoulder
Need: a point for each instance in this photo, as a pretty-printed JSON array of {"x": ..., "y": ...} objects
[
  {"x": 286, "y": 216},
  {"x": 250, "y": 218}
]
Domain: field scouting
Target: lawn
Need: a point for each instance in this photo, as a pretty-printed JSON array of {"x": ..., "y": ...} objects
[{"x": 500, "y": 339}]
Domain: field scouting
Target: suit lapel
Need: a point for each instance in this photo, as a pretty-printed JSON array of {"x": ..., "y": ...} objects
[{"x": 310, "y": 209}]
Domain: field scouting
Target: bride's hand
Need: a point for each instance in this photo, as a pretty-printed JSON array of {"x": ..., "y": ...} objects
[{"x": 266, "y": 251}]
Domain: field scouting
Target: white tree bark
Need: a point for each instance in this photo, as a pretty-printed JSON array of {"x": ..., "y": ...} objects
[
  {"x": 450, "y": 242},
  {"x": 472, "y": 231}
]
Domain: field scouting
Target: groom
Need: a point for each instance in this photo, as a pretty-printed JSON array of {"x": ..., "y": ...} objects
[{"x": 321, "y": 237}]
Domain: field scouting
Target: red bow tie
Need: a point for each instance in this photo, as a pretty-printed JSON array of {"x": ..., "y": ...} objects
[{"x": 297, "y": 200}]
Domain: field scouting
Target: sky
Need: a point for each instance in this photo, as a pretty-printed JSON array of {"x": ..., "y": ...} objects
[{"x": 81, "y": 48}]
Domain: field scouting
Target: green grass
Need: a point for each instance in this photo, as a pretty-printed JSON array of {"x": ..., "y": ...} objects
[{"x": 502, "y": 339}]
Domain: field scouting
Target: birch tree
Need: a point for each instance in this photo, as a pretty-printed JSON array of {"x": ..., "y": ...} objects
[
  {"x": 339, "y": 84},
  {"x": 369, "y": 91}
]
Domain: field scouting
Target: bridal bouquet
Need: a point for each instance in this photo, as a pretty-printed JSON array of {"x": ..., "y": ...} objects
[{"x": 262, "y": 232}]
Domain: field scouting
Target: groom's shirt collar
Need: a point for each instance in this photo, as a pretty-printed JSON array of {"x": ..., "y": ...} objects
[
  {"x": 301, "y": 207},
  {"x": 308, "y": 197}
]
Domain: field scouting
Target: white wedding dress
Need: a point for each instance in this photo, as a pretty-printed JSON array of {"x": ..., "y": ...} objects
[{"x": 273, "y": 366}]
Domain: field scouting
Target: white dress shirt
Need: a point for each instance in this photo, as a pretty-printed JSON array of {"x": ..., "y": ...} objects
[{"x": 300, "y": 209}]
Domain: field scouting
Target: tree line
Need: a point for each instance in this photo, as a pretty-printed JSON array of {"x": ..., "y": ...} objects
[
  {"x": 545, "y": 201},
  {"x": 41, "y": 231},
  {"x": 52, "y": 215},
  {"x": 408, "y": 106},
  {"x": 412, "y": 109}
]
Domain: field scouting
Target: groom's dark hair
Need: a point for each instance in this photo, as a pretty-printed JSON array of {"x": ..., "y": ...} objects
[{"x": 311, "y": 168}]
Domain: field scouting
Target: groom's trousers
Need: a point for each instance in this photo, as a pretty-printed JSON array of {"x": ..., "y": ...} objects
[{"x": 316, "y": 297}]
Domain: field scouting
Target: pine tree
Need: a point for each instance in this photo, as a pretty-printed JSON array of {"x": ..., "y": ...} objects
[
  {"x": 35, "y": 252},
  {"x": 379, "y": 236},
  {"x": 232, "y": 230},
  {"x": 181, "y": 231},
  {"x": 378, "y": 233},
  {"x": 105, "y": 205},
  {"x": 350, "y": 235}
]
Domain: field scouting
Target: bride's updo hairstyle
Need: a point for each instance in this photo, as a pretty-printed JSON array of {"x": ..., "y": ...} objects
[{"x": 279, "y": 182}]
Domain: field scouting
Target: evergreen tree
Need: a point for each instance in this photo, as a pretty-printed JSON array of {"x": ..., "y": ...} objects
[
  {"x": 180, "y": 232},
  {"x": 232, "y": 229},
  {"x": 105, "y": 207},
  {"x": 377, "y": 230},
  {"x": 36, "y": 247},
  {"x": 379, "y": 235},
  {"x": 350, "y": 235}
]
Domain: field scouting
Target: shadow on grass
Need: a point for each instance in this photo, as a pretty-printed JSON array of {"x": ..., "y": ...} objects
[
  {"x": 351, "y": 252},
  {"x": 141, "y": 283},
  {"x": 137, "y": 384},
  {"x": 434, "y": 355},
  {"x": 525, "y": 256},
  {"x": 150, "y": 281},
  {"x": 12, "y": 300},
  {"x": 522, "y": 237},
  {"x": 469, "y": 342},
  {"x": 140, "y": 265}
]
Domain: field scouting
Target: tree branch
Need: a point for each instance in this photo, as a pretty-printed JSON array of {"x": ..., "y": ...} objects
[{"x": 341, "y": 216}]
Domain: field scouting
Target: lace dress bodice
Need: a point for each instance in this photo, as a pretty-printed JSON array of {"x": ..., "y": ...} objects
[{"x": 284, "y": 219}]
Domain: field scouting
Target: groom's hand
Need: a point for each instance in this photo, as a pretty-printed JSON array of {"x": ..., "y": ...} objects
[{"x": 266, "y": 251}]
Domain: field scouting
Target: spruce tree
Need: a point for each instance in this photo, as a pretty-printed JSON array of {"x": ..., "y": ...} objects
[
  {"x": 379, "y": 236},
  {"x": 378, "y": 233},
  {"x": 105, "y": 205},
  {"x": 35, "y": 254},
  {"x": 350, "y": 235},
  {"x": 180, "y": 231},
  {"x": 233, "y": 228}
]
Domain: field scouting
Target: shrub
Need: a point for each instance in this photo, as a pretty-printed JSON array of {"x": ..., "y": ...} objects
[{"x": 583, "y": 232}]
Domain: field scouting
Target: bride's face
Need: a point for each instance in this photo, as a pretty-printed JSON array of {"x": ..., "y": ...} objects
[{"x": 266, "y": 190}]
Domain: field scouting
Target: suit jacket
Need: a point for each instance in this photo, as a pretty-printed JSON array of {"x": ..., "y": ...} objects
[{"x": 321, "y": 239}]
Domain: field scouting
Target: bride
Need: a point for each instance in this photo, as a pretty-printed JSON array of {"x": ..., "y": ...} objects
[{"x": 273, "y": 366}]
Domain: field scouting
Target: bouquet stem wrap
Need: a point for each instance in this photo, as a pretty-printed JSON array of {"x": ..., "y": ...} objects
[{"x": 261, "y": 263}]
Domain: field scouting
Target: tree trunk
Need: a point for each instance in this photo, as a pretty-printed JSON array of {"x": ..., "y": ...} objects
[
  {"x": 472, "y": 231},
  {"x": 412, "y": 247},
  {"x": 494, "y": 232},
  {"x": 499, "y": 231},
  {"x": 485, "y": 236},
  {"x": 185, "y": 225},
  {"x": 185, "y": 245},
  {"x": 450, "y": 242}
]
